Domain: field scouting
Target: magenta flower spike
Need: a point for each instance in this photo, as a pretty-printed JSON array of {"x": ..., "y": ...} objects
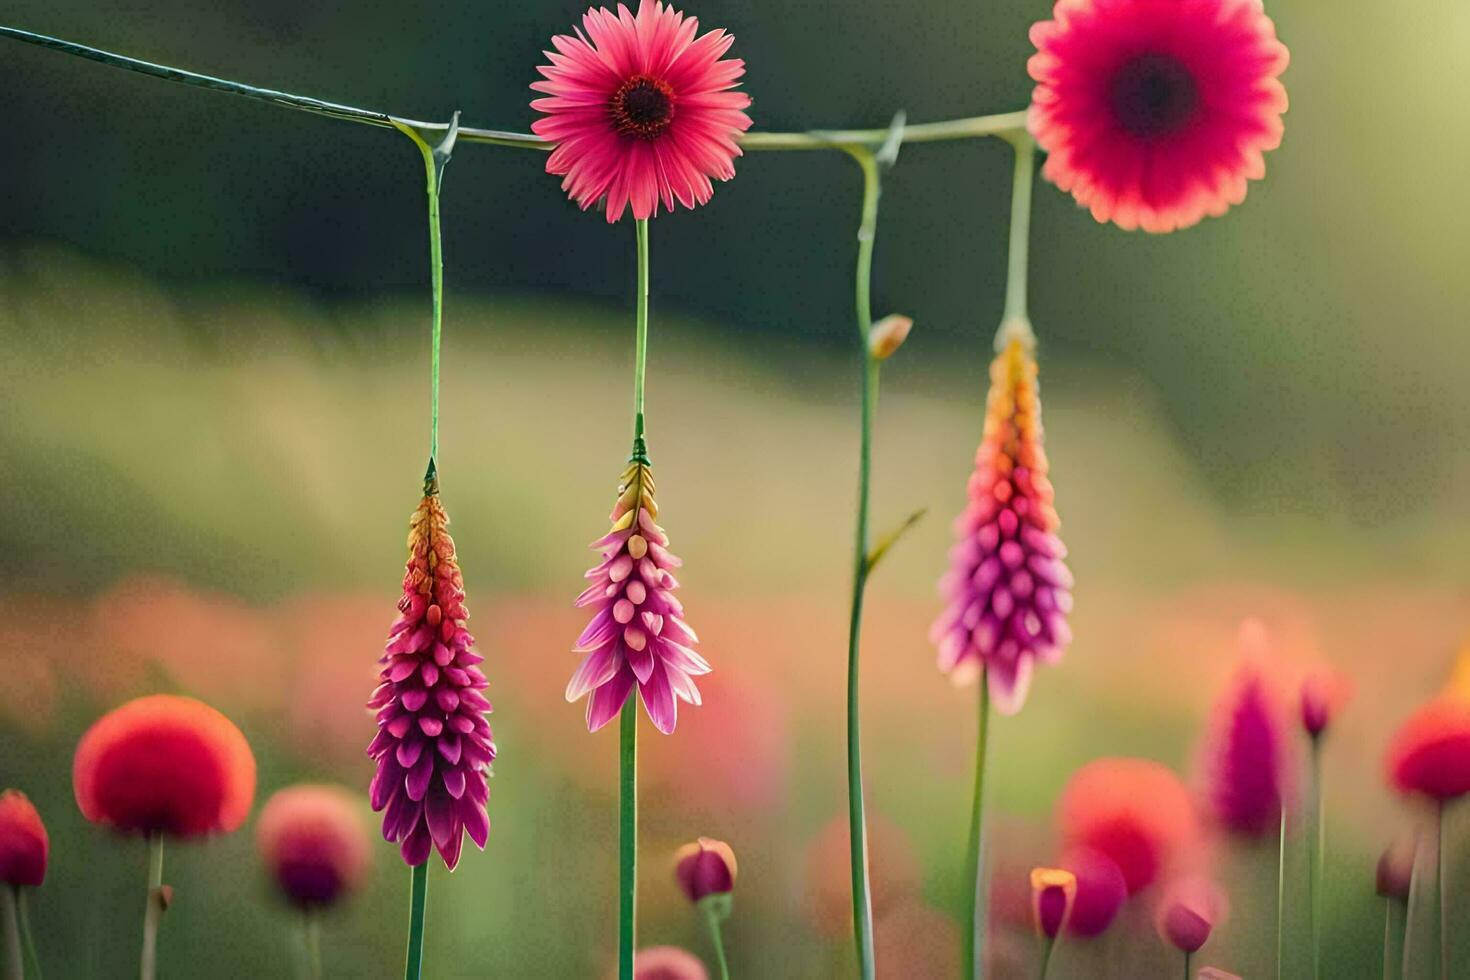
[
  {"x": 637, "y": 634},
  {"x": 434, "y": 746},
  {"x": 1246, "y": 768}
]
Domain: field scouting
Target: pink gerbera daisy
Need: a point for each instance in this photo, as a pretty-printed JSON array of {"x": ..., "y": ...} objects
[
  {"x": 640, "y": 110},
  {"x": 1155, "y": 113}
]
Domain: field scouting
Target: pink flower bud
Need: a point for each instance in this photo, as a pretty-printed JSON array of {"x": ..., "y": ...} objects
[
  {"x": 1190, "y": 910},
  {"x": 706, "y": 867},
  {"x": 888, "y": 335},
  {"x": 1052, "y": 893},
  {"x": 1323, "y": 694},
  {"x": 1396, "y": 867}
]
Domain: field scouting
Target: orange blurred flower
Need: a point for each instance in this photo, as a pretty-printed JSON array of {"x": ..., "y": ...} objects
[
  {"x": 1134, "y": 811},
  {"x": 1430, "y": 752}
]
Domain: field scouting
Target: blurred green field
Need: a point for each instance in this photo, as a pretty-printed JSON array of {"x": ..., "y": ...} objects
[{"x": 207, "y": 491}]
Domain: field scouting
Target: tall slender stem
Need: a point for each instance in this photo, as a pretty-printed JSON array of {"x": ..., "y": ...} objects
[
  {"x": 628, "y": 837},
  {"x": 27, "y": 937},
  {"x": 311, "y": 939},
  {"x": 1316, "y": 858},
  {"x": 418, "y": 899},
  {"x": 862, "y": 905},
  {"x": 1393, "y": 937},
  {"x": 10, "y": 899},
  {"x": 1281, "y": 896},
  {"x": 1015, "y": 321},
  {"x": 153, "y": 911},
  {"x": 640, "y": 350},
  {"x": 1439, "y": 880},
  {"x": 1187, "y": 957},
  {"x": 1412, "y": 909},
  {"x": 972, "y": 929},
  {"x": 1049, "y": 946},
  {"x": 712, "y": 916}
]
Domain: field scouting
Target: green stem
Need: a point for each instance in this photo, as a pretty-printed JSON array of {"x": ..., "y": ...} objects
[
  {"x": 1439, "y": 880},
  {"x": 153, "y": 911},
  {"x": 972, "y": 929},
  {"x": 972, "y": 127},
  {"x": 311, "y": 937},
  {"x": 1015, "y": 321},
  {"x": 10, "y": 898},
  {"x": 712, "y": 916},
  {"x": 1316, "y": 859},
  {"x": 862, "y": 906},
  {"x": 1393, "y": 938},
  {"x": 1281, "y": 896},
  {"x": 1187, "y": 957},
  {"x": 26, "y": 935},
  {"x": 1049, "y": 946},
  {"x": 413, "y": 961},
  {"x": 628, "y": 837},
  {"x": 640, "y": 354},
  {"x": 1412, "y": 909}
]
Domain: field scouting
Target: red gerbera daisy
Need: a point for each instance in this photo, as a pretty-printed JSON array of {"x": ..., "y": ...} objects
[
  {"x": 1155, "y": 113},
  {"x": 640, "y": 110}
]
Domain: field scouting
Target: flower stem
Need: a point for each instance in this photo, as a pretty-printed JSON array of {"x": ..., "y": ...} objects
[
  {"x": 1316, "y": 859},
  {"x": 10, "y": 897},
  {"x": 1281, "y": 896},
  {"x": 1015, "y": 321},
  {"x": 640, "y": 351},
  {"x": 712, "y": 916},
  {"x": 972, "y": 930},
  {"x": 1393, "y": 937},
  {"x": 627, "y": 837},
  {"x": 862, "y": 906},
  {"x": 33, "y": 960},
  {"x": 1412, "y": 909},
  {"x": 1049, "y": 945},
  {"x": 1187, "y": 957},
  {"x": 418, "y": 898},
  {"x": 311, "y": 939},
  {"x": 153, "y": 911},
  {"x": 1439, "y": 880}
]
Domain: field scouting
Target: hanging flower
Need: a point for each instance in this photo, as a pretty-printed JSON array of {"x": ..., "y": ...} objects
[
  {"x": 1008, "y": 590},
  {"x": 313, "y": 842},
  {"x": 164, "y": 764},
  {"x": 1245, "y": 753},
  {"x": 24, "y": 844},
  {"x": 1133, "y": 811},
  {"x": 1155, "y": 114},
  {"x": 637, "y": 634},
  {"x": 641, "y": 110},
  {"x": 1430, "y": 753},
  {"x": 434, "y": 746}
]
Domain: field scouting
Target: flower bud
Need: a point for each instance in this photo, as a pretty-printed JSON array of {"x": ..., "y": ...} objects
[
  {"x": 24, "y": 843},
  {"x": 668, "y": 963},
  {"x": 314, "y": 843},
  {"x": 1215, "y": 973},
  {"x": 1189, "y": 912},
  {"x": 1052, "y": 893},
  {"x": 1396, "y": 867},
  {"x": 888, "y": 335},
  {"x": 706, "y": 867},
  {"x": 1323, "y": 694}
]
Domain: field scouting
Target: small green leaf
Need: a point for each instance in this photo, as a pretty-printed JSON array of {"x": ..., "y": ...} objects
[
  {"x": 887, "y": 154},
  {"x": 892, "y": 537}
]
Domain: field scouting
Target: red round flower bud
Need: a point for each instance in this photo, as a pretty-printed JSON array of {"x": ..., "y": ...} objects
[
  {"x": 1052, "y": 893},
  {"x": 164, "y": 765},
  {"x": 314, "y": 843},
  {"x": 1430, "y": 753},
  {"x": 706, "y": 867},
  {"x": 23, "y": 841}
]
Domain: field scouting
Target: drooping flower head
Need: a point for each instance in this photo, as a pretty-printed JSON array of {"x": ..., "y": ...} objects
[
  {"x": 641, "y": 110},
  {"x": 313, "y": 842},
  {"x": 1190, "y": 910},
  {"x": 1245, "y": 757},
  {"x": 1008, "y": 591},
  {"x": 705, "y": 867},
  {"x": 1155, "y": 113},
  {"x": 24, "y": 844},
  {"x": 434, "y": 746},
  {"x": 1053, "y": 890},
  {"x": 637, "y": 635},
  {"x": 1134, "y": 811},
  {"x": 1101, "y": 891},
  {"x": 164, "y": 764},
  {"x": 1430, "y": 753}
]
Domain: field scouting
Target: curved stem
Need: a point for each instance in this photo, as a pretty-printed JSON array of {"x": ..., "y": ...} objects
[
  {"x": 418, "y": 898},
  {"x": 628, "y": 837},
  {"x": 973, "y": 127},
  {"x": 1016, "y": 321},
  {"x": 973, "y": 928},
  {"x": 27, "y": 937},
  {"x": 862, "y": 906},
  {"x": 640, "y": 349},
  {"x": 10, "y": 912},
  {"x": 153, "y": 911},
  {"x": 712, "y": 916}
]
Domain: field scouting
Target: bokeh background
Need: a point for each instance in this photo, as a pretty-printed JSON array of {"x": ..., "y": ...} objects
[{"x": 213, "y": 422}]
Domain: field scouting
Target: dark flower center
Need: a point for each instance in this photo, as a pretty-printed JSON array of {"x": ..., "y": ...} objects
[
  {"x": 1154, "y": 95},
  {"x": 643, "y": 107}
]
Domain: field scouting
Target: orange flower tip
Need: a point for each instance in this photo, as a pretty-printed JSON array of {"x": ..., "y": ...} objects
[
  {"x": 888, "y": 335},
  {"x": 24, "y": 844},
  {"x": 164, "y": 764},
  {"x": 314, "y": 843},
  {"x": 668, "y": 963},
  {"x": 1135, "y": 812},
  {"x": 1053, "y": 890},
  {"x": 1396, "y": 868},
  {"x": 706, "y": 870}
]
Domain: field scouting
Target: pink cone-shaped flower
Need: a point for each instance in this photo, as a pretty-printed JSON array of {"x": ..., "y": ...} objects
[
  {"x": 637, "y": 634},
  {"x": 1007, "y": 591},
  {"x": 434, "y": 747},
  {"x": 642, "y": 112},
  {"x": 1245, "y": 758}
]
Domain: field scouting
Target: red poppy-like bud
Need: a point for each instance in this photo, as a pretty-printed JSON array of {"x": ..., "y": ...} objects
[
  {"x": 668, "y": 963},
  {"x": 164, "y": 765},
  {"x": 1396, "y": 867},
  {"x": 24, "y": 844},
  {"x": 314, "y": 842},
  {"x": 1323, "y": 694},
  {"x": 1052, "y": 892},
  {"x": 888, "y": 335},
  {"x": 705, "y": 867},
  {"x": 1190, "y": 910}
]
